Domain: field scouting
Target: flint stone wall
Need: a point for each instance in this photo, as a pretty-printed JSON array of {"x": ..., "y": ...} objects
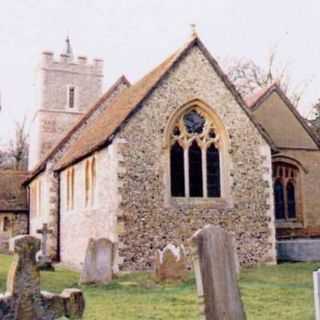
[{"x": 147, "y": 218}]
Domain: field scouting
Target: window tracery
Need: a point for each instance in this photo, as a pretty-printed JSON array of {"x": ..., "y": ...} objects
[
  {"x": 286, "y": 190},
  {"x": 195, "y": 156}
]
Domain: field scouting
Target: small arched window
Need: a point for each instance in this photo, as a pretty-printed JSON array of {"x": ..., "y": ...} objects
[
  {"x": 195, "y": 156},
  {"x": 177, "y": 170},
  {"x": 70, "y": 188},
  {"x": 93, "y": 180},
  {"x": 286, "y": 185},
  {"x": 87, "y": 182},
  {"x": 291, "y": 200},
  {"x": 279, "y": 200}
]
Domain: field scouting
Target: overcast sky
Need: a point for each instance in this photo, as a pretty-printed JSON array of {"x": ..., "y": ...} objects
[{"x": 132, "y": 36}]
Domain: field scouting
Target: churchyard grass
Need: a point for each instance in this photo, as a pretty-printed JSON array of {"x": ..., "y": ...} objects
[{"x": 270, "y": 292}]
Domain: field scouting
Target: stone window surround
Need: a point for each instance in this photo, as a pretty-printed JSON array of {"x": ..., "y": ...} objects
[
  {"x": 76, "y": 98},
  {"x": 298, "y": 221},
  {"x": 90, "y": 181},
  {"x": 39, "y": 196},
  {"x": 36, "y": 196},
  {"x": 70, "y": 184},
  {"x": 223, "y": 202}
]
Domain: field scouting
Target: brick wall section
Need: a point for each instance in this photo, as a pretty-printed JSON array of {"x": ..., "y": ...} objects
[{"x": 146, "y": 221}]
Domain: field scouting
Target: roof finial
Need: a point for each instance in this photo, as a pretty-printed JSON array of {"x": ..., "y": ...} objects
[
  {"x": 193, "y": 29},
  {"x": 68, "y": 51}
]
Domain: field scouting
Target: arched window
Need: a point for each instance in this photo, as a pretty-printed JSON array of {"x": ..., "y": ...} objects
[
  {"x": 213, "y": 171},
  {"x": 72, "y": 188},
  {"x": 195, "y": 170},
  {"x": 68, "y": 189},
  {"x": 291, "y": 200},
  {"x": 286, "y": 185},
  {"x": 279, "y": 200},
  {"x": 195, "y": 156},
  {"x": 87, "y": 182},
  {"x": 93, "y": 180},
  {"x": 177, "y": 170}
]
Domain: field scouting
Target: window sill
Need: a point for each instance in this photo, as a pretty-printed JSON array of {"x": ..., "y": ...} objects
[
  {"x": 287, "y": 224},
  {"x": 212, "y": 203}
]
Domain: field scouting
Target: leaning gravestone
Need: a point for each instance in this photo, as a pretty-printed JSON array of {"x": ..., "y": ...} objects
[
  {"x": 98, "y": 262},
  {"x": 24, "y": 300},
  {"x": 170, "y": 264},
  {"x": 216, "y": 274}
]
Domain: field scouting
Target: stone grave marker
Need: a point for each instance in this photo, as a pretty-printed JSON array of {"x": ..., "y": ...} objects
[
  {"x": 45, "y": 262},
  {"x": 98, "y": 262},
  {"x": 23, "y": 299},
  {"x": 170, "y": 264},
  {"x": 316, "y": 290},
  {"x": 216, "y": 274}
]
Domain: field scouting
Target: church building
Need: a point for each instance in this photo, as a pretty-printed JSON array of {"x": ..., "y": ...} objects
[{"x": 150, "y": 163}]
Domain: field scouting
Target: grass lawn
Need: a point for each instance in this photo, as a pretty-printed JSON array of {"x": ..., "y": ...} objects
[{"x": 274, "y": 292}]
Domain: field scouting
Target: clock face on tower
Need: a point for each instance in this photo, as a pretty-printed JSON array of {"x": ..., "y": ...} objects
[{"x": 193, "y": 122}]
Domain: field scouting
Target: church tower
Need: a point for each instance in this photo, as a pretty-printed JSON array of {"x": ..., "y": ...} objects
[{"x": 66, "y": 89}]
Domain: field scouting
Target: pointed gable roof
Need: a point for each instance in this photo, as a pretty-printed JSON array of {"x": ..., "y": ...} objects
[
  {"x": 101, "y": 132},
  {"x": 103, "y": 99},
  {"x": 256, "y": 101},
  {"x": 256, "y": 97}
]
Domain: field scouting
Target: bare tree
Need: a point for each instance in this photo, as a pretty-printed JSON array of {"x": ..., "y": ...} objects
[
  {"x": 248, "y": 77},
  {"x": 18, "y": 147}
]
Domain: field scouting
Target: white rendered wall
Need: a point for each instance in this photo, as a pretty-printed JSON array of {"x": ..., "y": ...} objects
[{"x": 77, "y": 226}]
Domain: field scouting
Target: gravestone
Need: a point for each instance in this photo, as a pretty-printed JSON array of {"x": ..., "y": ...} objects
[
  {"x": 44, "y": 261},
  {"x": 23, "y": 299},
  {"x": 170, "y": 264},
  {"x": 98, "y": 262},
  {"x": 216, "y": 274},
  {"x": 316, "y": 290}
]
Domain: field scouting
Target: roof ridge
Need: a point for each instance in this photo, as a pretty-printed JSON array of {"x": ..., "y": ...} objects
[
  {"x": 277, "y": 88},
  {"x": 255, "y": 97}
]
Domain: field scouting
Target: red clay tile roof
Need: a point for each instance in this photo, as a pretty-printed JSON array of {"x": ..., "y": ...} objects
[
  {"x": 41, "y": 166},
  {"x": 101, "y": 132},
  {"x": 254, "y": 102},
  {"x": 13, "y": 197}
]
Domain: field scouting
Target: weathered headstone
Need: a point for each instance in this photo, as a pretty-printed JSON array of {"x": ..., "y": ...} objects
[
  {"x": 216, "y": 274},
  {"x": 316, "y": 290},
  {"x": 170, "y": 264},
  {"x": 98, "y": 262},
  {"x": 44, "y": 262},
  {"x": 24, "y": 300}
]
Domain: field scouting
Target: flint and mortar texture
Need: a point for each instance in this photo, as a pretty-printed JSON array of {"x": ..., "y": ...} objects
[{"x": 149, "y": 218}]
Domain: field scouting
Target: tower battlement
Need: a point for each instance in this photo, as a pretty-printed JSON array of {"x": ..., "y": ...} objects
[
  {"x": 66, "y": 62},
  {"x": 67, "y": 87}
]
